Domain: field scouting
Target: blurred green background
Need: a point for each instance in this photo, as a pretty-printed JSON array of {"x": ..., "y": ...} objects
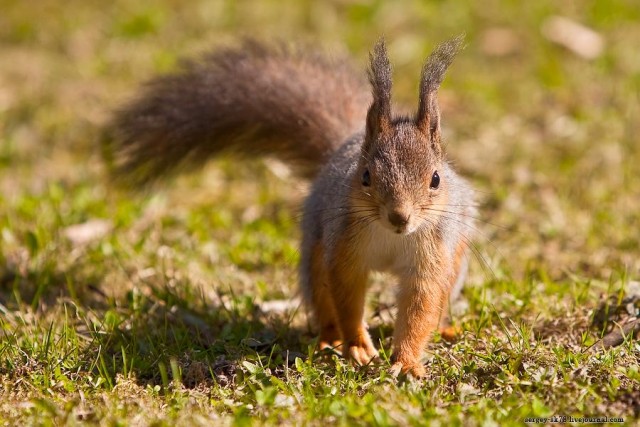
[{"x": 536, "y": 125}]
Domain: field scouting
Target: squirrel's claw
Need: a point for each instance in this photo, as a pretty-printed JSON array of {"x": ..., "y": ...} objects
[
  {"x": 362, "y": 355},
  {"x": 361, "y": 351},
  {"x": 415, "y": 370}
]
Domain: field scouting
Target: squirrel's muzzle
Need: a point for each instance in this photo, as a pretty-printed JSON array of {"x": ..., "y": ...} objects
[{"x": 399, "y": 218}]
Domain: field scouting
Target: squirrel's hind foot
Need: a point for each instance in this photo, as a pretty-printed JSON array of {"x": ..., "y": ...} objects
[
  {"x": 335, "y": 345},
  {"x": 450, "y": 333}
]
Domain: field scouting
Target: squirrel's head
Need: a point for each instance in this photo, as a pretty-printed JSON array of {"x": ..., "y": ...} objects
[{"x": 401, "y": 173}]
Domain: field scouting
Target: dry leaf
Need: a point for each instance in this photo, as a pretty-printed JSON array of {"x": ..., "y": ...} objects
[
  {"x": 579, "y": 39},
  {"x": 94, "y": 229}
]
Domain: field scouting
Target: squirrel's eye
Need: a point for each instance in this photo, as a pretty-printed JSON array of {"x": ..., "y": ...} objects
[
  {"x": 435, "y": 180},
  {"x": 366, "y": 178}
]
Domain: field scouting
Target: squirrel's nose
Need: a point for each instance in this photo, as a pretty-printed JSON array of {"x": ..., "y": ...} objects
[{"x": 399, "y": 218}]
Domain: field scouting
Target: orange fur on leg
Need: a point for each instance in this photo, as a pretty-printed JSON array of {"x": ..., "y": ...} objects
[
  {"x": 419, "y": 308},
  {"x": 348, "y": 285},
  {"x": 421, "y": 301},
  {"x": 322, "y": 302}
]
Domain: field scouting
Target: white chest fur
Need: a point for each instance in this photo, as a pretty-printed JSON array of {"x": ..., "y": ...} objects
[{"x": 387, "y": 251}]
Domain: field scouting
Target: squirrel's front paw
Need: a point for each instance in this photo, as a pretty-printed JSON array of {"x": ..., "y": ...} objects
[
  {"x": 416, "y": 370},
  {"x": 362, "y": 355},
  {"x": 361, "y": 351}
]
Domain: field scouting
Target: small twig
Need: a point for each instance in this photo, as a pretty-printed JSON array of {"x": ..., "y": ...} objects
[{"x": 617, "y": 335}]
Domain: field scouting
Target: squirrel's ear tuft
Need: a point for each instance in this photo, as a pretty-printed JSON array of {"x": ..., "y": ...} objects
[
  {"x": 379, "y": 115},
  {"x": 428, "y": 117}
]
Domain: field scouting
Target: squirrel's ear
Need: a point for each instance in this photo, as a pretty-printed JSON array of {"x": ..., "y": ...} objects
[
  {"x": 379, "y": 114},
  {"x": 428, "y": 117}
]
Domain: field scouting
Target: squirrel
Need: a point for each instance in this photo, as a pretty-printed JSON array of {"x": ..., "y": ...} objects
[{"x": 383, "y": 196}]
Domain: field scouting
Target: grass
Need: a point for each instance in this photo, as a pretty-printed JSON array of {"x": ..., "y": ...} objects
[{"x": 171, "y": 307}]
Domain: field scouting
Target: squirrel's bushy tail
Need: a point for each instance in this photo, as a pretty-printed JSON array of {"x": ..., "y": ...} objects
[{"x": 253, "y": 99}]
